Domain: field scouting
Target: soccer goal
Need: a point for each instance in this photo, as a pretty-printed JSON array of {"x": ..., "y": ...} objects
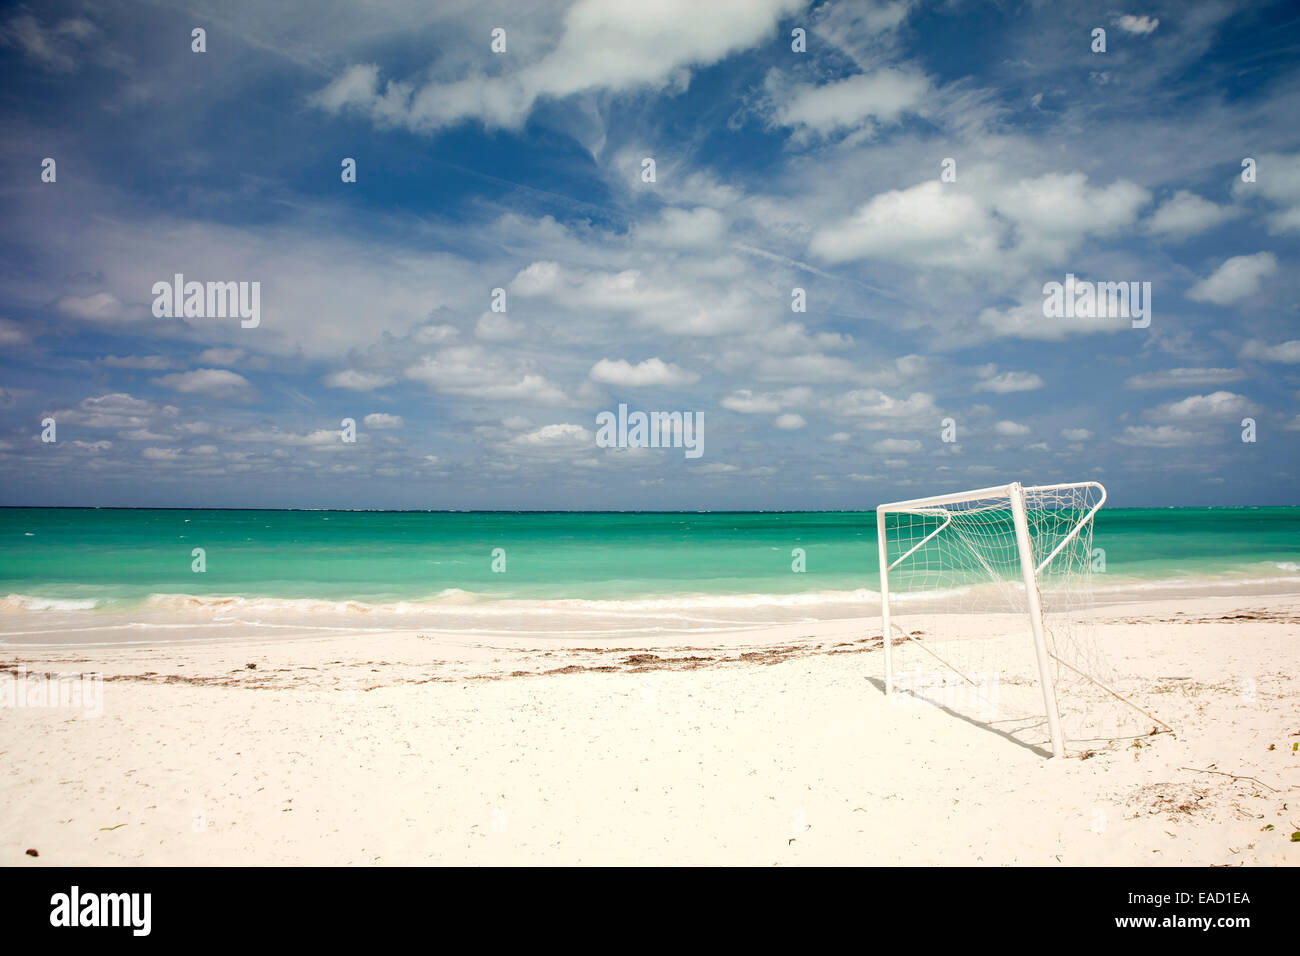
[{"x": 985, "y": 603}]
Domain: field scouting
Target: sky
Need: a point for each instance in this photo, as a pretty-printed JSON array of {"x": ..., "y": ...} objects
[{"x": 839, "y": 265}]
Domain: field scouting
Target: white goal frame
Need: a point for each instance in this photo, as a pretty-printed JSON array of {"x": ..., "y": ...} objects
[{"x": 1030, "y": 570}]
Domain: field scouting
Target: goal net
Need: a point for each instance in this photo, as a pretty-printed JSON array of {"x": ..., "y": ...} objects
[{"x": 986, "y": 604}]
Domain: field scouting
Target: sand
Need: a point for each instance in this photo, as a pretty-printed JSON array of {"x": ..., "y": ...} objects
[{"x": 765, "y": 747}]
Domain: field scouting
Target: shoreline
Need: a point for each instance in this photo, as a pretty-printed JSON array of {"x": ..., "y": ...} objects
[{"x": 226, "y": 617}]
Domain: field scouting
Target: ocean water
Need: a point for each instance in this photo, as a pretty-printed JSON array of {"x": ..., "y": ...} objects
[{"x": 74, "y": 564}]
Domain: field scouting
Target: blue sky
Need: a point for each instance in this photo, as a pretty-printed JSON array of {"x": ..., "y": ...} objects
[{"x": 522, "y": 171}]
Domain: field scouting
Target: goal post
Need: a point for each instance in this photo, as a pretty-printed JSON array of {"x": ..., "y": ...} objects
[{"x": 1017, "y": 554}]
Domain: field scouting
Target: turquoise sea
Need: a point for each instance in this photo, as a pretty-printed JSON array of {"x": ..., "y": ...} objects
[{"x": 102, "y": 559}]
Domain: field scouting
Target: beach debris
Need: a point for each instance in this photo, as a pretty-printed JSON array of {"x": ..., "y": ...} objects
[
  {"x": 103, "y": 829},
  {"x": 32, "y": 851},
  {"x": 1233, "y": 776},
  {"x": 250, "y": 666}
]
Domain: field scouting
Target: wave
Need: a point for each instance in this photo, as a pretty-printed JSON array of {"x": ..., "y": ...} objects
[
  {"x": 468, "y": 602},
  {"x": 30, "y": 602},
  {"x": 459, "y": 603}
]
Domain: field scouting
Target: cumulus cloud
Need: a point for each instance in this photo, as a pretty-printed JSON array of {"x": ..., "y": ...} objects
[
  {"x": 1216, "y": 405},
  {"x": 1026, "y": 321},
  {"x": 991, "y": 380},
  {"x": 1235, "y": 279},
  {"x": 697, "y": 228},
  {"x": 790, "y": 421},
  {"x": 1139, "y": 25},
  {"x": 679, "y": 296},
  {"x": 382, "y": 420},
  {"x": 653, "y": 371},
  {"x": 1011, "y": 429},
  {"x": 1277, "y": 182},
  {"x": 923, "y": 223},
  {"x": 873, "y": 409},
  {"x": 562, "y": 438},
  {"x": 864, "y": 101},
  {"x": 472, "y": 371},
  {"x": 1186, "y": 214},
  {"x": 938, "y": 224},
  {"x": 498, "y": 327},
  {"x": 114, "y": 410},
  {"x": 210, "y": 382},
  {"x": 100, "y": 307}
]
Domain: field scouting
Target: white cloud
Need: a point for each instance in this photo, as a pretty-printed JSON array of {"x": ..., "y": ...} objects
[
  {"x": 471, "y": 371},
  {"x": 1163, "y": 435},
  {"x": 1216, "y": 405},
  {"x": 63, "y": 46},
  {"x": 1011, "y": 429},
  {"x": 1186, "y": 377},
  {"x": 697, "y": 228},
  {"x": 1186, "y": 214},
  {"x": 162, "y": 454},
  {"x": 100, "y": 307},
  {"x": 681, "y": 296},
  {"x": 1288, "y": 352},
  {"x": 981, "y": 223},
  {"x": 11, "y": 333},
  {"x": 991, "y": 380},
  {"x": 924, "y": 223},
  {"x": 1076, "y": 434},
  {"x": 1139, "y": 25},
  {"x": 790, "y": 421},
  {"x": 865, "y": 100},
  {"x": 604, "y": 45},
  {"x": 498, "y": 327},
  {"x": 1277, "y": 181},
  {"x": 748, "y": 402},
  {"x": 435, "y": 334},
  {"x": 383, "y": 420},
  {"x": 1235, "y": 279},
  {"x": 147, "y": 363},
  {"x": 1026, "y": 321},
  {"x": 116, "y": 410},
  {"x": 653, "y": 371},
  {"x": 212, "y": 382},
  {"x": 357, "y": 380},
  {"x": 873, "y": 409},
  {"x": 563, "y": 437}
]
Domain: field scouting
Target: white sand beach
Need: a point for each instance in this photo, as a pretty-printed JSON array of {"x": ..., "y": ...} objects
[{"x": 769, "y": 746}]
